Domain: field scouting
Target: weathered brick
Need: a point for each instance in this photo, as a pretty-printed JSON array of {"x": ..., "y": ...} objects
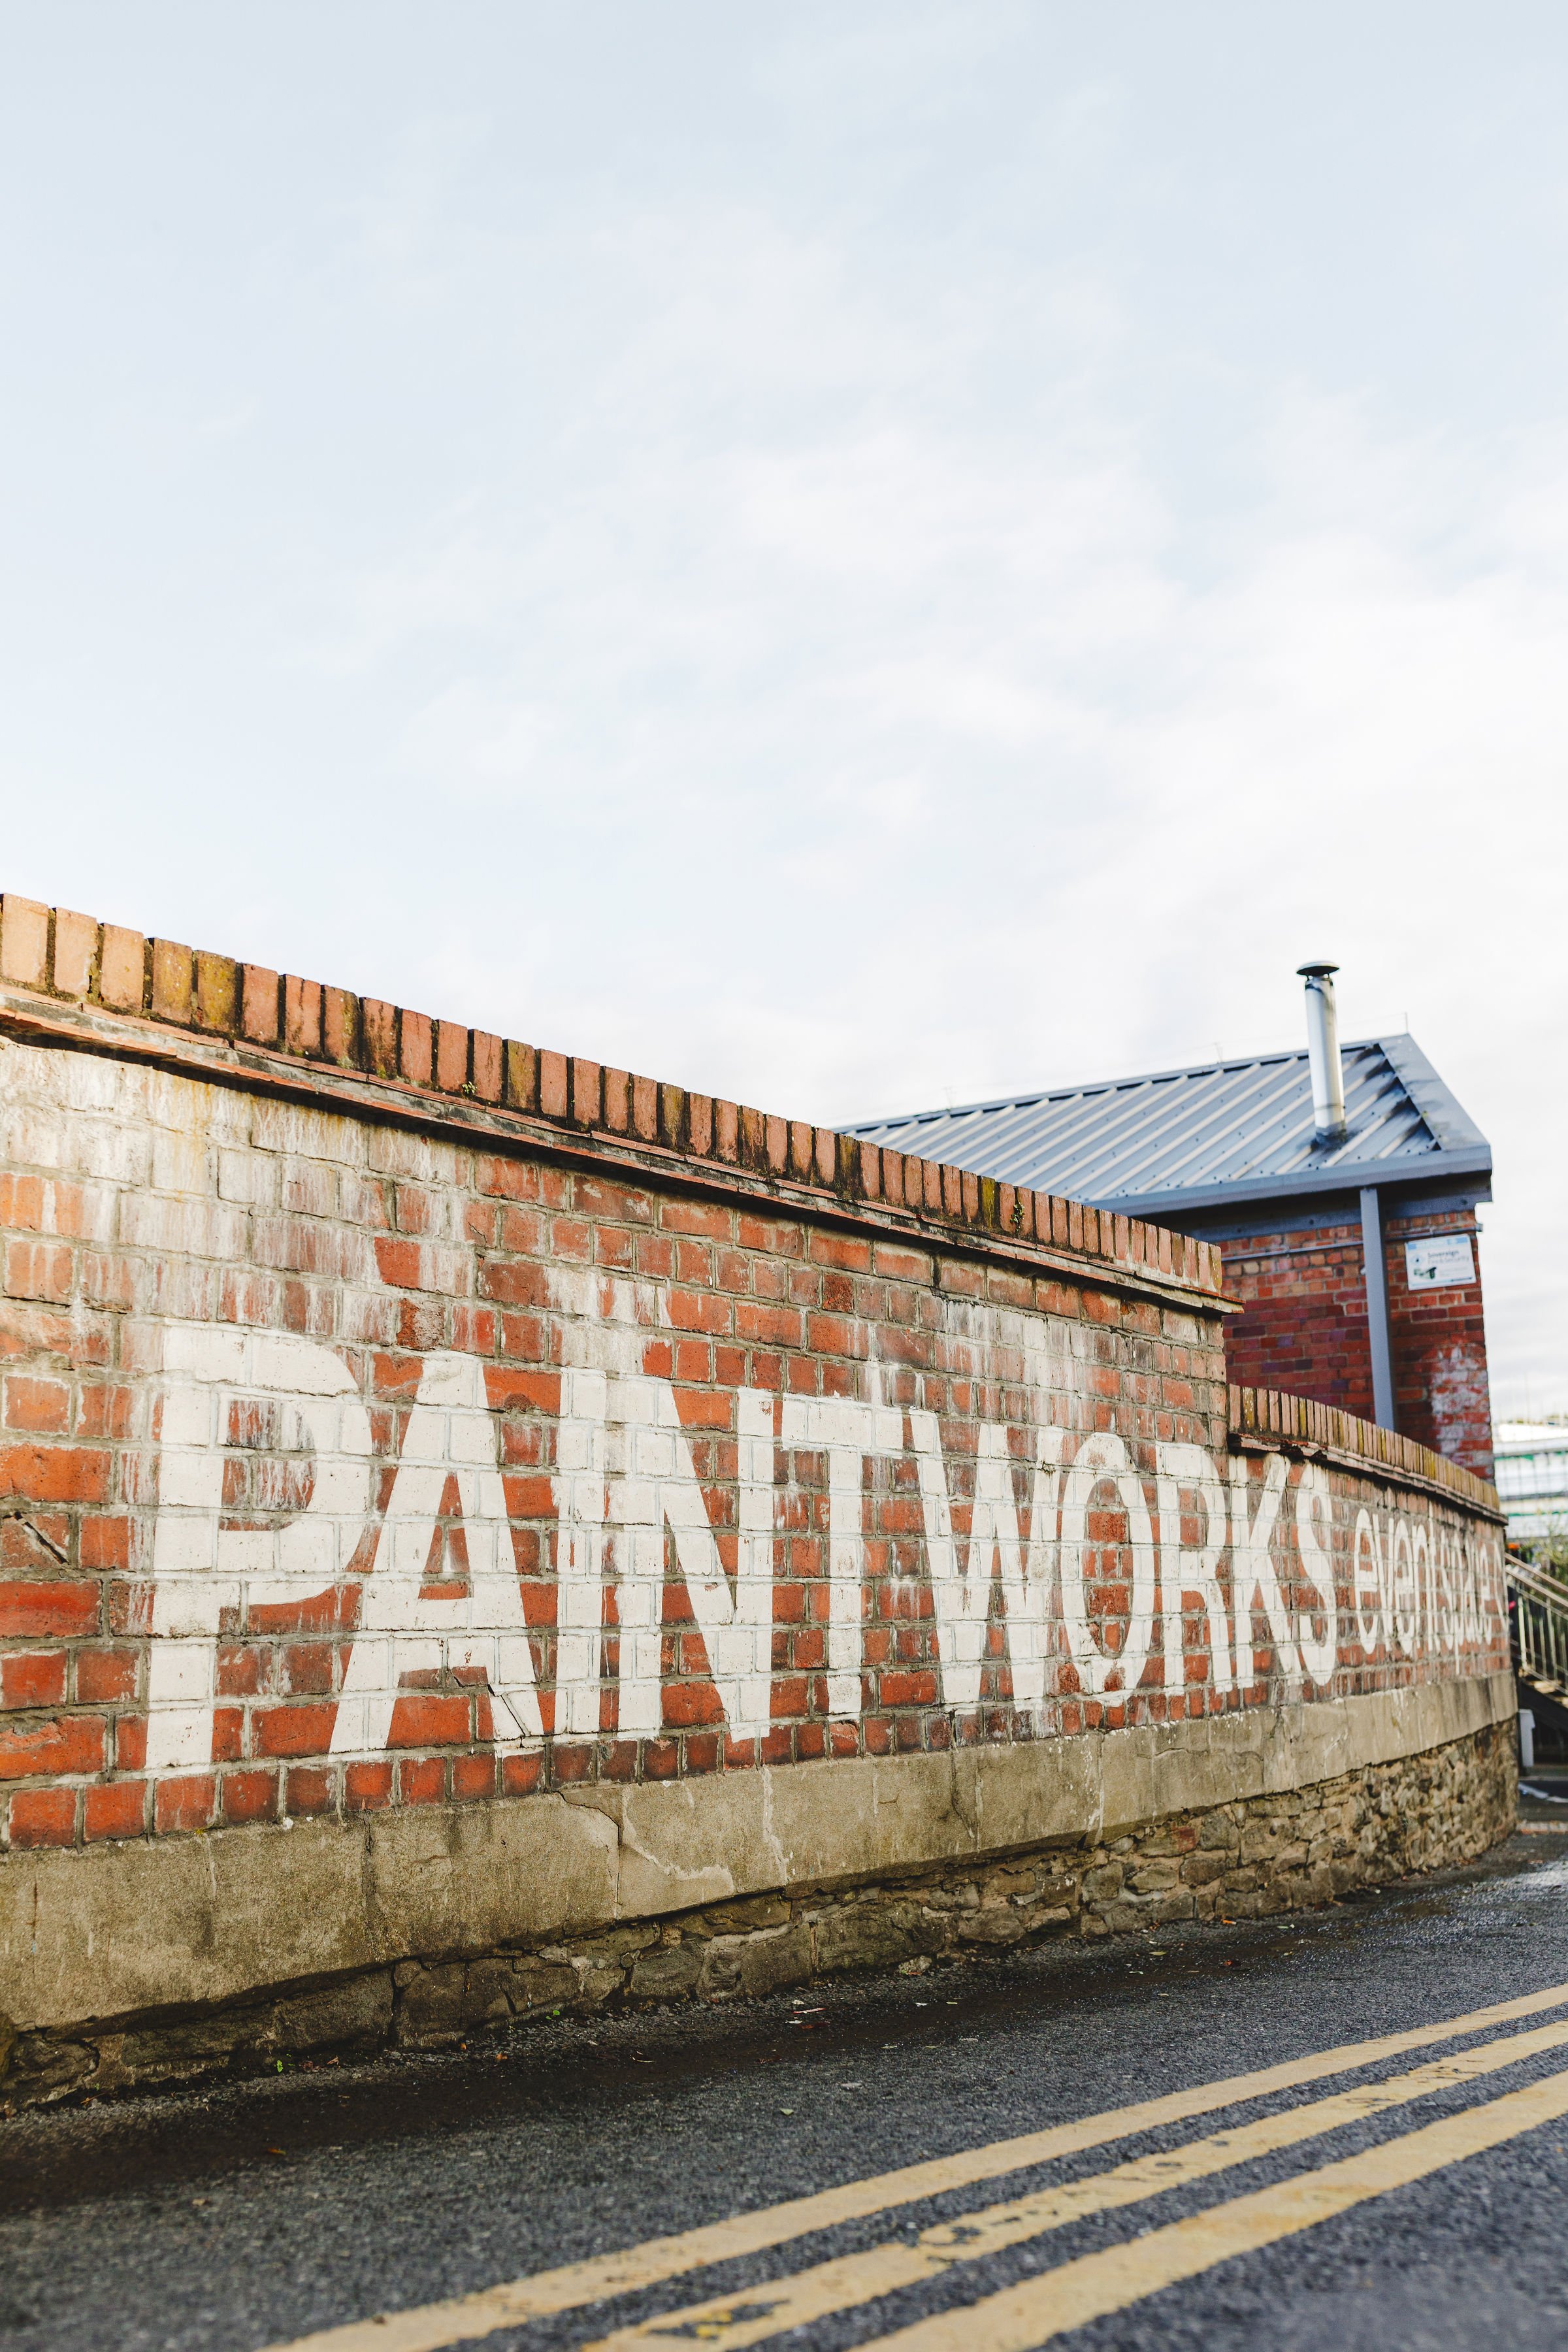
[
  {"x": 416, "y": 1046},
  {"x": 451, "y": 1055},
  {"x": 50, "y": 1608},
  {"x": 172, "y": 981},
  {"x": 32, "y": 1678},
  {"x": 522, "y": 1076},
  {"x": 56, "y": 1746},
  {"x": 116, "y": 1808},
  {"x": 487, "y": 1065},
  {"x": 186, "y": 1801},
  {"x": 259, "y": 1010},
  {"x": 105, "y": 1675},
  {"x": 24, "y": 940},
  {"x": 76, "y": 943},
  {"x": 379, "y": 1032},
  {"x": 51, "y": 1474},
  {"x": 122, "y": 969},
  {"x": 586, "y": 1101},
  {"x": 43, "y": 1817},
  {"x": 301, "y": 1015},
  {"x": 340, "y": 1037},
  {"x": 39, "y": 1405},
  {"x": 553, "y": 1085},
  {"x": 301, "y": 1729}
]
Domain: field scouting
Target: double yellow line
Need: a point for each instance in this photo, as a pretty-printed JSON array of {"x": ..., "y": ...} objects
[{"x": 1038, "y": 2308}]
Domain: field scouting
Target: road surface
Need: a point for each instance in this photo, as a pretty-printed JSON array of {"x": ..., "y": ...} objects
[{"x": 1349, "y": 2128}]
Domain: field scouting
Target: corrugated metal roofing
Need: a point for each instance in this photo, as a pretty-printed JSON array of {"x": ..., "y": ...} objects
[{"x": 1203, "y": 1135}]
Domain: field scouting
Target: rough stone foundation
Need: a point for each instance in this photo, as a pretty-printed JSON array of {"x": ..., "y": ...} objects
[{"x": 1239, "y": 1861}]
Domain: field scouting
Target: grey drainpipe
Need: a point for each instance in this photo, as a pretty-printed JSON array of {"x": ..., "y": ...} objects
[{"x": 1377, "y": 1330}]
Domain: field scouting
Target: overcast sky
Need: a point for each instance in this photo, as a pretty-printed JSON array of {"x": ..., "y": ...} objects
[{"x": 847, "y": 555}]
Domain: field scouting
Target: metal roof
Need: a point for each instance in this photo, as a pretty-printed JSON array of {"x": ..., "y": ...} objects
[{"x": 1203, "y": 1138}]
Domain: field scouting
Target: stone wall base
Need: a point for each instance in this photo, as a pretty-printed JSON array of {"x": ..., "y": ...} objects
[{"x": 1243, "y": 1860}]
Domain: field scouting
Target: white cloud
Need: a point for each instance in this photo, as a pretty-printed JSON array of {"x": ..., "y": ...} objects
[
  {"x": 1046, "y": 807},
  {"x": 849, "y": 562}
]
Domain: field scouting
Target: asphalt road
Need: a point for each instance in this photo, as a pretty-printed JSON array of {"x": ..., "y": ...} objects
[{"x": 250, "y": 2216}]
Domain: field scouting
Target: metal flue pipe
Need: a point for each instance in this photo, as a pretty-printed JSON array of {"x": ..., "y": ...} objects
[{"x": 1323, "y": 1049}]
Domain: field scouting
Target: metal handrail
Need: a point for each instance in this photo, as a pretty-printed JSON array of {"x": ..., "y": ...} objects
[
  {"x": 1546, "y": 1588},
  {"x": 1539, "y": 1625}
]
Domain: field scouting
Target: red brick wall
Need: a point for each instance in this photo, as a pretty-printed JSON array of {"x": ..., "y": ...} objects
[
  {"x": 1441, "y": 1391},
  {"x": 350, "y": 1362},
  {"x": 1305, "y": 1330},
  {"x": 181, "y": 1211}
]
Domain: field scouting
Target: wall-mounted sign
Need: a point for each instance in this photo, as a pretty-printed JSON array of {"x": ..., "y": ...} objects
[{"x": 1438, "y": 1260}]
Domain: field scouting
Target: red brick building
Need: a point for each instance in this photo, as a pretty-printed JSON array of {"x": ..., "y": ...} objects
[{"x": 1301, "y": 1208}]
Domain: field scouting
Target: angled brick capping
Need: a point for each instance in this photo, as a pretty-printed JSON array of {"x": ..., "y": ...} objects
[{"x": 480, "y": 1530}]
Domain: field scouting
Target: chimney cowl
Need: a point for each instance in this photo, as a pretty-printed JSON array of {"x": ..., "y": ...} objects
[{"x": 1323, "y": 1050}]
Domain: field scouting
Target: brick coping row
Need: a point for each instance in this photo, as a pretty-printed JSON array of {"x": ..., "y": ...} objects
[
  {"x": 75, "y": 960},
  {"x": 1270, "y": 1418}
]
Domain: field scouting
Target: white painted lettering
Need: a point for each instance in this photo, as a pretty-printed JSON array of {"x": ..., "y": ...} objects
[
  {"x": 1102, "y": 1459},
  {"x": 1187, "y": 1469},
  {"x": 477, "y": 1627},
  {"x": 202, "y": 1569},
  {"x": 960, "y": 1598},
  {"x": 1368, "y": 1584},
  {"x": 1314, "y": 1501},
  {"x": 1252, "y": 1577},
  {"x": 847, "y": 1431}
]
